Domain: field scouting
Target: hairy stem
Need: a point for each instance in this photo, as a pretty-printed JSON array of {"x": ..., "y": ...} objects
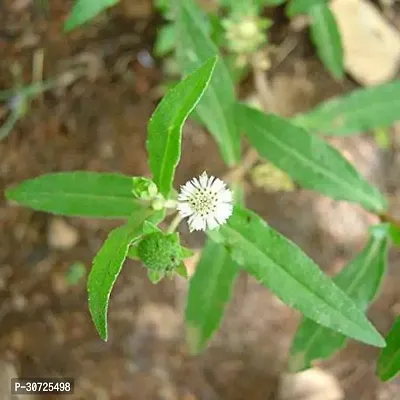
[
  {"x": 174, "y": 223},
  {"x": 264, "y": 93},
  {"x": 386, "y": 217}
]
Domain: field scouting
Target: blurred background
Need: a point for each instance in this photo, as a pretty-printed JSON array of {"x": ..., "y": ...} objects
[{"x": 108, "y": 82}]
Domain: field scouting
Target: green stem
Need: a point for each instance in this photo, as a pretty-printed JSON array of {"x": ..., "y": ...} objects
[
  {"x": 174, "y": 223},
  {"x": 386, "y": 217}
]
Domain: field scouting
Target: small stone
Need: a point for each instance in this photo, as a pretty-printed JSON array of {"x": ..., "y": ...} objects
[
  {"x": 313, "y": 384},
  {"x": 17, "y": 340},
  {"x": 59, "y": 283},
  {"x": 7, "y": 372},
  {"x": 371, "y": 45},
  {"x": 62, "y": 236},
  {"x": 136, "y": 9},
  {"x": 19, "y": 302}
]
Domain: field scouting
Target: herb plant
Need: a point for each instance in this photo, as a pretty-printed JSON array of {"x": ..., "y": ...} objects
[{"x": 237, "y": 238}]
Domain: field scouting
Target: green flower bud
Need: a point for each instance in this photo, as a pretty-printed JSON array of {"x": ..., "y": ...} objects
[
  {"x": 152, "y": 189},
  {"x": 160, "y": 252},
  {"x": 246, "y": 34},
  {"x": 158, "y": 204},
  {"x": 144, "y": 188}
]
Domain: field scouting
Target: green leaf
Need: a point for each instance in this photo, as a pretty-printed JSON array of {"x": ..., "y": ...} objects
[
  {"x": 80, "y": 193},
  {"x": 307, "y": 158},
  {"x": 133, "y": 252},
  {"x": 106, "y": 267},
  {"x": 9, "y": 124},
  {"x": 182, "y": 271},
  {"x": 395, "y": 234},
  {"x": 155, "y": 276},
  {"x": 210, "y": 288},
  {"x": 326, "y": 37},
  {"x": 186, "y": 253},
  {"x": 249, "y": 7},
  {"x": 149, "y": 227},
  {"x": 239, "y": 194},
  {"x": 268, "y": 3},
  {"x": 164, "y": 7},
  {"x": 165, "y": 126},
  {"x": 382, "y": 138},
  {"x": 361, "y": 110},
  {"x": 215, "y": 108},
  {"x": 296, "y": 7},
  {"x": 166, "y": 38},
  {"x": 143, "y": 188},
  {"x": 236, "y": 72},
  {"x": 360, "y": 280},
  {"x": 389, "y": 360},
  {"x": 85, "y": 10},
  {"x": 75, "y": 273},
  {"x": 283, "y": 268}
]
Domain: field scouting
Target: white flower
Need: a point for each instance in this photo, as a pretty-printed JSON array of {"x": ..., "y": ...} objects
[{"x": 206, "y": 201}]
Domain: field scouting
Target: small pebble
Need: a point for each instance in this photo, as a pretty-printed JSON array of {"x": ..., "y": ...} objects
[{"x": 62, "y": 236}]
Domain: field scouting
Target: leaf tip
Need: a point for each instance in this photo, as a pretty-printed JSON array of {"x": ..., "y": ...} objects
[
  {"x": 101, "y": 326},
  {"x": 210, "y": 64},
  {"x": 13, "y": 193},
  {"x": 69, "y": 25},
  {"x": 375, "y": 339},
  {"x": 298, "y": 362},
  {"x": 9, "y": 193},
  {"x": 193, "y": 339},
  {"x": 383, "y": 372}
]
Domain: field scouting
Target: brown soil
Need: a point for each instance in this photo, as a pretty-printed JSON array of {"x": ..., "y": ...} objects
[{"x": 98, "y": 122}]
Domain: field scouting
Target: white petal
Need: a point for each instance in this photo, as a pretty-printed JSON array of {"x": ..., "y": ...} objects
[
  {"x": 211, "y": 222},
  {"x": 197, "y": 223},
  {"x": 188, "y": 187},
  {"x": 195, "y": 182},
  {"x": 217, "y": 185},
  {"x": 183, "y": 196},
  {"x": 225, "y": 196},
  {"x": 210, "y": 181},
  {"x": 184, "y": 209},
  {"x": 223, "y": 212},
  {"x": 203, "y": 179}
]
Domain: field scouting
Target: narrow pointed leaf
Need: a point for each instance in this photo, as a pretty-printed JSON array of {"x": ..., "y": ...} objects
[
  {"x": 284, "y": 268},
  {"x": 395, "y": 234},
  {"x": 210, "y": 288},
  {"x": 306, "y": 158},
  {"x": 296, "y": 7},
  {"x": 357, "y": 112},
  {"x": 155, "y": 276},
  {"x": 133, "y": 253},
  {"x": 186, "y": 253},
  {"x": 215, "y": 108},
  {"x": 262, "y": 3},
  {"x": 181, "y": 270},
  {"x": 165, "y": 126},
  {"x": 85, "y": 10},
  {"x": 326, "y": 37},
  {"x": 389, "y": 360},
  {"x": 9, "y": 124},
  {"x": 106, "y": 267},
  {"x": 166, "y": 39},
  {"x": 80, "y": 193},
  {"x": 360, "y": 280}
]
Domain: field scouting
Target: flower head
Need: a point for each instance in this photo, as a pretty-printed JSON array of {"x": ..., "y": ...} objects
[{"x": 206, "y": 201}]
